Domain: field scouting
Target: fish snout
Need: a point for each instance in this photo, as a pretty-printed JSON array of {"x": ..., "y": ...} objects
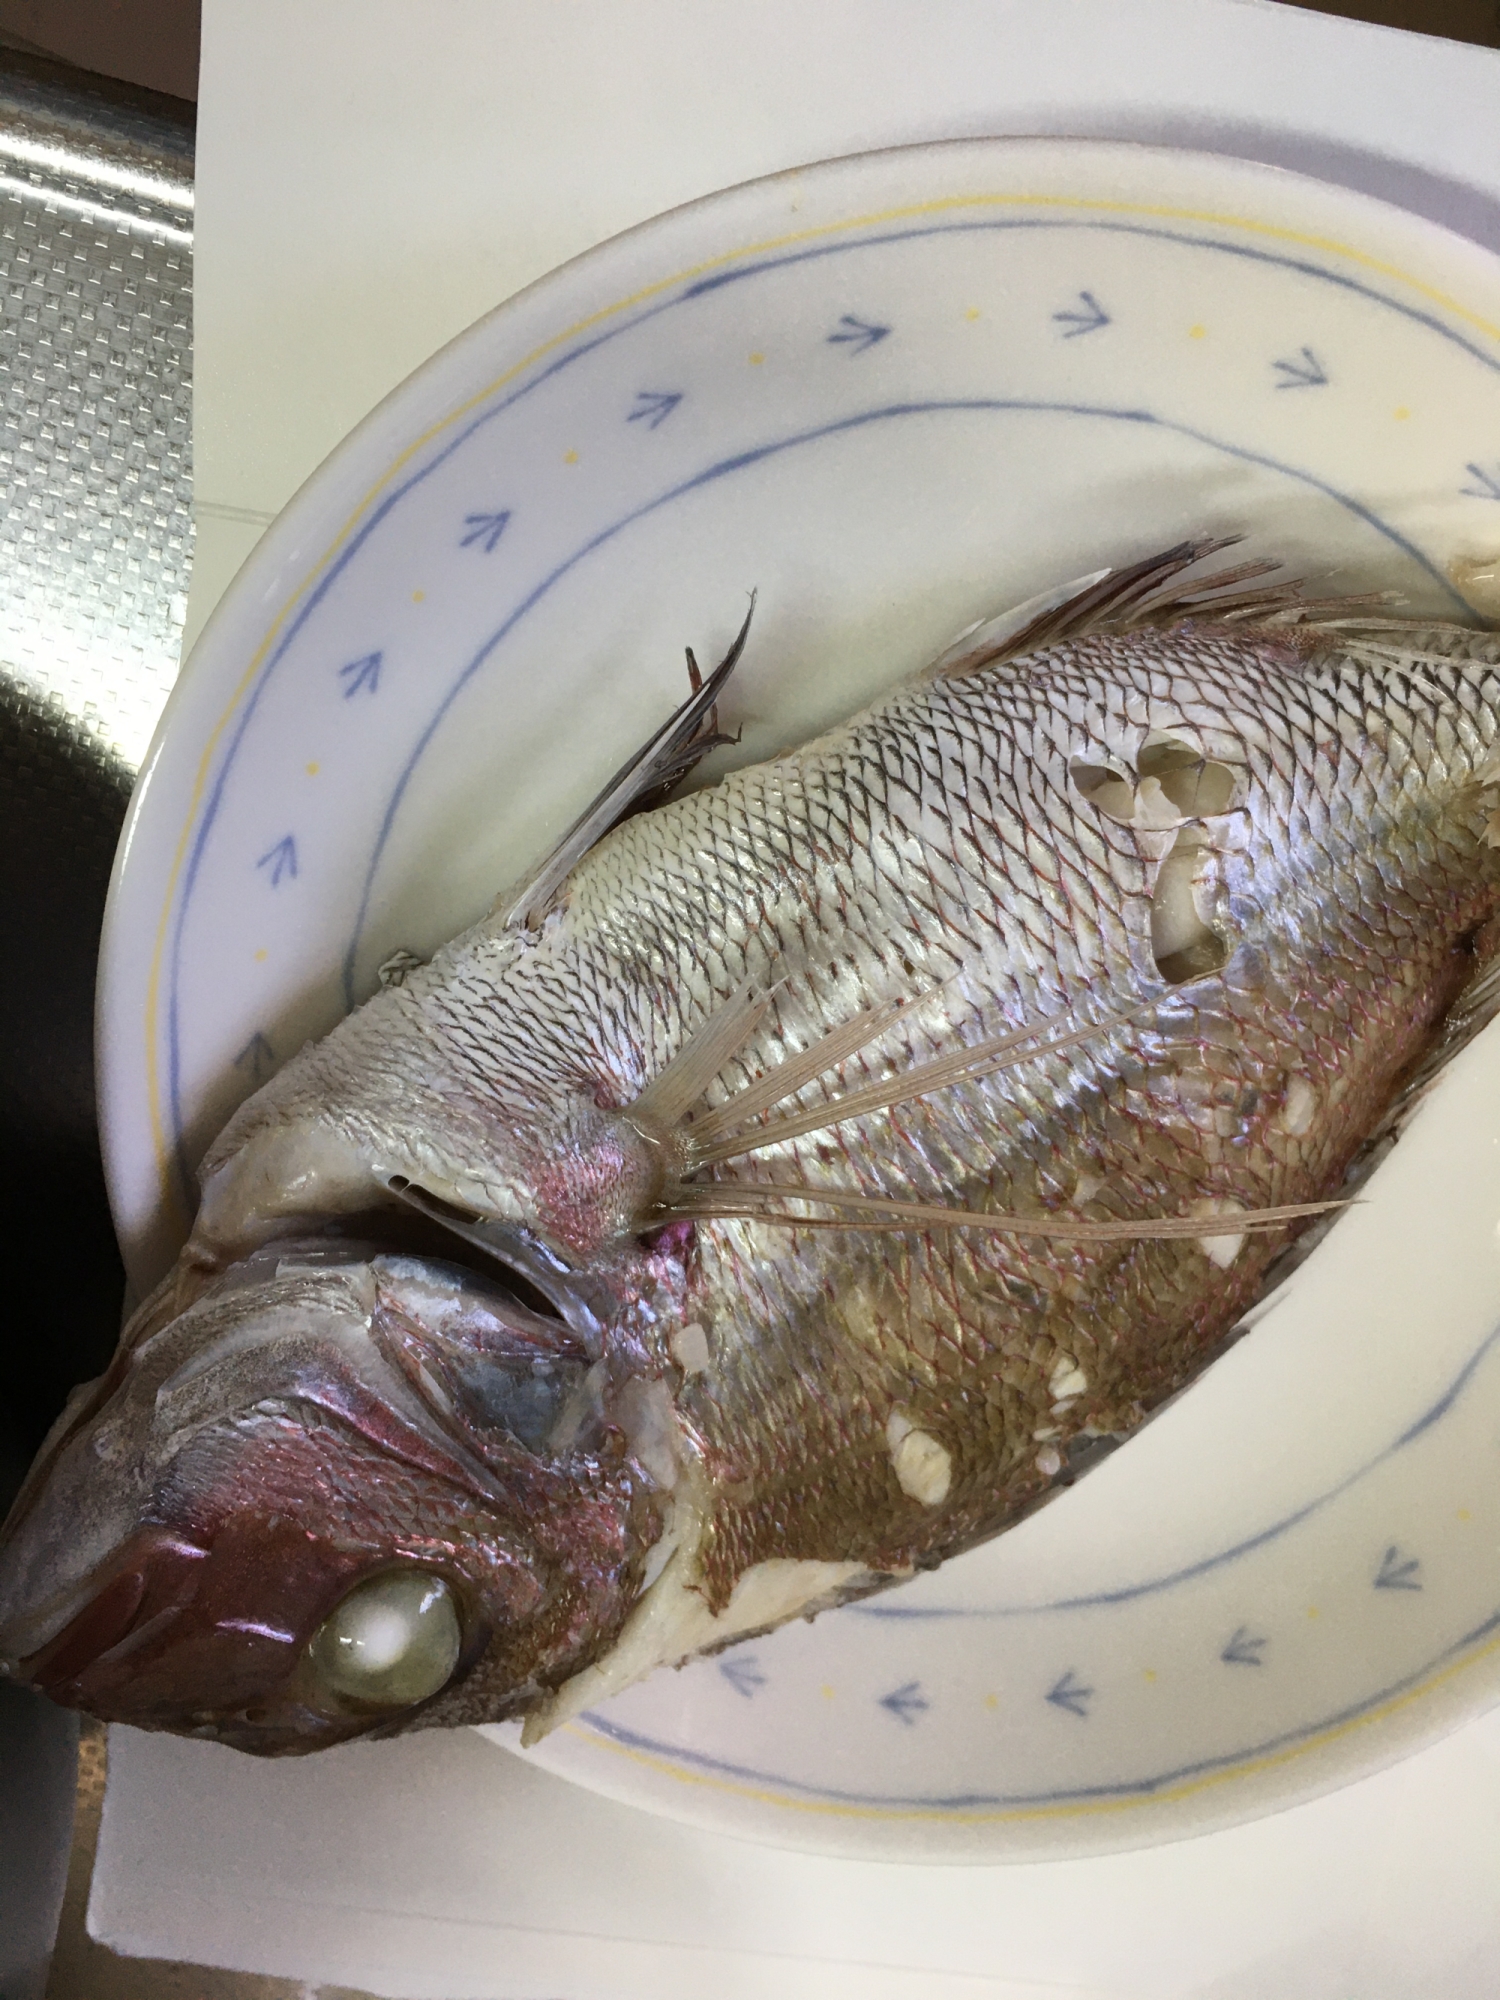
[
  {"x": 166, "y": 1563},
  {"x": 337, "y": 1494}
]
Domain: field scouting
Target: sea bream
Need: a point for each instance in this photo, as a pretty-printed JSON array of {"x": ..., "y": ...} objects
[{"x": 788, "y": 1183}]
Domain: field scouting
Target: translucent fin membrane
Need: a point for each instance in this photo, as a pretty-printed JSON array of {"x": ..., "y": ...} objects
[
  {"x": 1120, "y": 600},
  {"x": 705, "y": 1135},
  {"x": 668, "y": 1098},
  {"x": 1144, "y": 594}
]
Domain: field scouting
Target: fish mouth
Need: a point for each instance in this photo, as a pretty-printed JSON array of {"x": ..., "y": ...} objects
[
  {"x": 145, "y": 1587},
  {"x": 149, "y": 1575}
]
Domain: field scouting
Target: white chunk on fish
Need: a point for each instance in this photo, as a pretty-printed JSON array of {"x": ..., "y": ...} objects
[
  {"x": 689, "y": 1348},
  {"x": 1298, "y": 1108},
  {"x": 1066, "y": 1380},
  {"x": 923, "y": 1467},
  {"x": 671, "y": 1620},
  {"x": 1220, "y": 1250}
]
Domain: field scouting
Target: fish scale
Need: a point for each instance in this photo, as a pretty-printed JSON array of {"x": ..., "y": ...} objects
[{"x": 766, "y": 1400}]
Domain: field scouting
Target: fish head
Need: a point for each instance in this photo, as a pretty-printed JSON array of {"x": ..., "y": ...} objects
[{"x": 343, "y": 1493}]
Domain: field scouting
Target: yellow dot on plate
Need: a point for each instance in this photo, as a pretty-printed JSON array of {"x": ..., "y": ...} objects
[
  {"x": 826, "y": 1691},
  {"x": 313, "y": 769},
  {"x": 1402, "y": 414},
  {"x": 1464, "y": 1514},
  {"x": 417, "y": 596},
  {"x": 992, "y": 1701},
  {"x": 1148, "y": 1673},
  {"x": 261, "y": 955},
  {"x": 570, "y": 458},
  {"x": 756, "y": 359},
  {"x": 1312, "y": 1610},
  {"x": 1197, "y": 332},
  {"x": 972, "y": 313}
]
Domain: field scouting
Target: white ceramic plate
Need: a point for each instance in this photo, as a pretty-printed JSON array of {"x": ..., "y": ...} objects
[{"x": 893, "y": 393}]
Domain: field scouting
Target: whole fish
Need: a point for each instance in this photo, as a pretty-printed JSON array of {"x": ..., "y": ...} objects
[{"x": 787, "y": 1184}]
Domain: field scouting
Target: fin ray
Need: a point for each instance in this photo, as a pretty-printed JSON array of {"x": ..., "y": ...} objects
[
  {"x": 753, "y": 1201},
  {"x": 710, "y": 1147},
  {"x": 671, "y": 1094},
  {"x": 791, "y": 1075},
  {"x": 664, "y": 756},
  {"x": 1105, "y": 601},
  {"x": 1148, "y": 593}
]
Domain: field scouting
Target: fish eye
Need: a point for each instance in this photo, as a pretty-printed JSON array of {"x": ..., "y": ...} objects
[{"x": 394, "y": 1640}]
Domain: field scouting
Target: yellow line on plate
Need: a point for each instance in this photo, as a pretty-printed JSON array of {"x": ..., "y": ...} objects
[{"x": 1074, "y": 1809}]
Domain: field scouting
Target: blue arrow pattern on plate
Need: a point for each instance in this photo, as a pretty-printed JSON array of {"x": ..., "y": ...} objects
[
  {"x": 280, "y": 861},
  {"x": 906, "y": 1703},
  {"x": 257, "y": 1056},
  {"x": 858, "y": 335},
  {"x": 1398, "y": 1572},
  {"x": 1488, "y": 486},
  {"x": 1089, "y": 320},
  {"x": 1244, "y": 1649},
  {"x": 743, "y": 1675},
  {"x": 363, "y": 673},
  {"x": 1306, "y": 372},
  {"x": 485, "y": 529},
  {"x": 1071, "y": 1694},
  {"x": 653, "y": 407}
]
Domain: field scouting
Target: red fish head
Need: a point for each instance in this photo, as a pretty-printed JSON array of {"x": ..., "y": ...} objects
[{"x": 341, "y": 1494}]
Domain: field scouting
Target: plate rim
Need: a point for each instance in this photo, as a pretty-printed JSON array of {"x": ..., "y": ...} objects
[{"x": 281, "y": 550}]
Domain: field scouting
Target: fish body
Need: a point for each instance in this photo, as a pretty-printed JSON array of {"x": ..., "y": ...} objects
[{"x": 784, "y": 1197}]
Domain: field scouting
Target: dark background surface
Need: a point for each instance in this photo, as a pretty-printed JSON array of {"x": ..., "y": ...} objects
[
  {"x": 148, "y": 42},
  {"x": 60, "y": 814},
  {"x": 1460, "y": 20},
  {"x": 63, "y": 791}
]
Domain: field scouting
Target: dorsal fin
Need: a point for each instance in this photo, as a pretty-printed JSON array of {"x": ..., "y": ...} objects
[
  {"x": 1128, "y": 599},
  {"x": 687, "y": 734},
  {"x": 1124, "y": 600}
]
